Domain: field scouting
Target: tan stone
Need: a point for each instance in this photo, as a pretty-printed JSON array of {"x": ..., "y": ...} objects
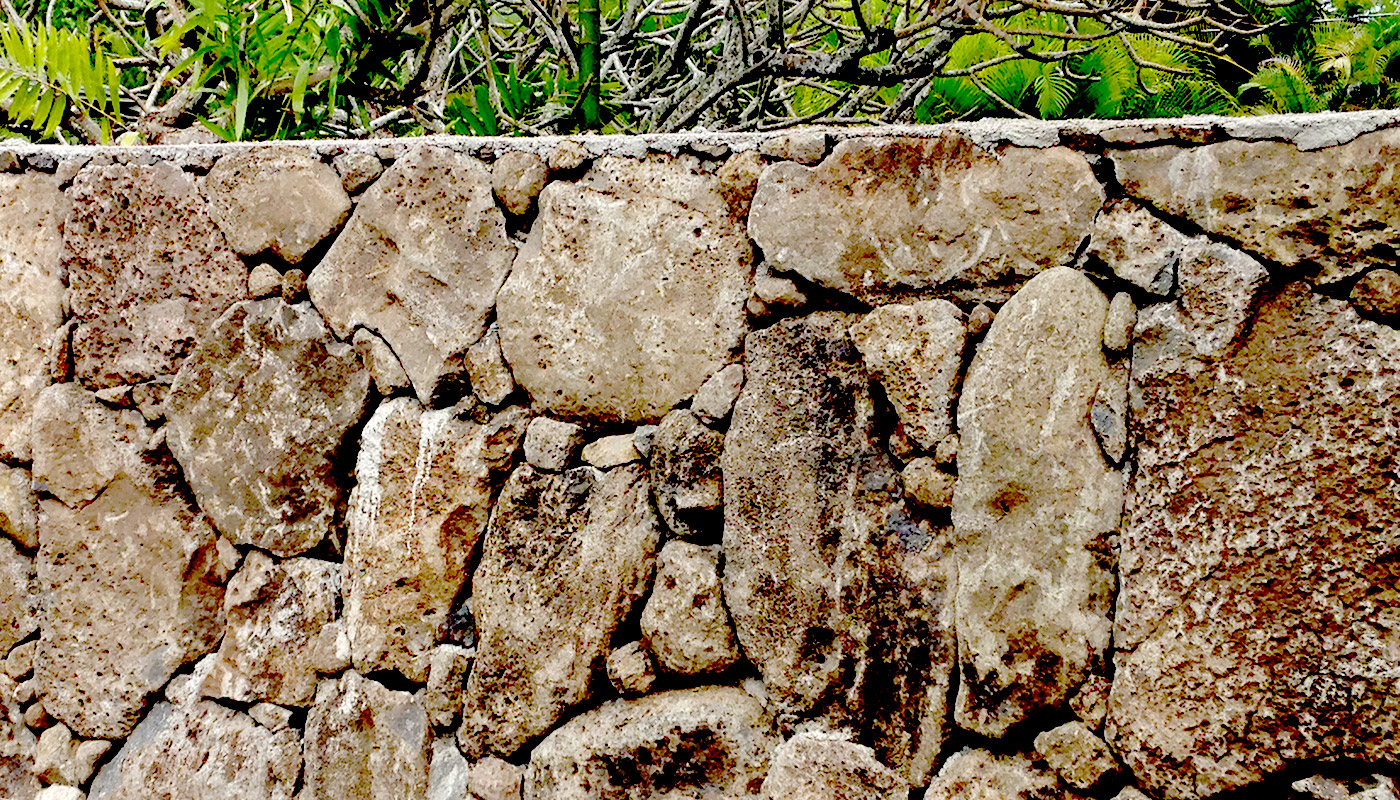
[
  {"x": 685, "y": 476},
  {"x": 294, "y": 286},
  {"x": 684, "y": 622},
  {"x": 61, "y": 793},
  {"x": 1118, "y": 325},
  {"x": 488, "y": 370},
  {"x": 824, "y": 767},
  {"x": 552, "y": 444},
  {"x": 630, "y": 669},
  {"x": 804, "y": 147},
  {"x": 80, "y": 444},
  {"x": 448, "y": 772},
  {"x": 494, "y": 779},
  {"x": 384, "y": 367},
  {"x": 264, "y": 281},
  {"x": 19, "y": 600},
  {"x": 271, "y": 716},
  {"x": 148, "y": 272},
  {"x": 59, "y": 758},
  {"x": 882, "y": 218},
  {"x": 17, "y": 744},
  {"x": 1090, "y": 703},
  {"x": 423, "y": 495},
  {"x": 357, "y": 169},
  {"x": 916, "y": 352},
  {"x": 629, "y": 293},
  {"x": 980, "y": 775},
  {"x": 448, "y": 665},
  {"x": 1377, "y": 295},
  {"x": 690, "y": 743},
  {"x": 927, "y": 485},
  {"x": 20, "y": 663},
  {"x": 275, "y": 199},
  {"x": 567, "y": 557},
  {"x": 715, "y": 398},
  {"x": 1130, "y": 242},
  {"x": 738, "y": 179},
  {"x": 419, "y": 263},
  {"x": 1080, "y": 758},
  {"x": 517, "y": 178},
  {"x": 19, "y": 508},
  {"x": 259, "y": 414},
  {"x": 611, "y": 451},
  {"x": 1034, "y": 506},
  {"x": 364, "y": 741}
]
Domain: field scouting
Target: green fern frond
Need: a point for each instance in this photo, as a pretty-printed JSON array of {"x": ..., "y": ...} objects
[{"x": 48, "y": 72}]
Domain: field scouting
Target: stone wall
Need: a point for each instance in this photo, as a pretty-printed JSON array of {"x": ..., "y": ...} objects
[{"x": 990, "y": 461}]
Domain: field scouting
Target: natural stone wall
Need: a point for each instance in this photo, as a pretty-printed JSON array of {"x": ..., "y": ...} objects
[{"x": 1000, "y": 460}]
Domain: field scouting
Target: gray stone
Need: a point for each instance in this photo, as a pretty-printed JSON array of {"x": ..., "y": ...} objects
[
  {"x": 277, "y": 200},
  {"x": 611, "y": 451},
  {"x": 685, "y": 475},
  {"x": 517, "y": 179},
  {"x": 927, "y": 485},
  {"x": 494, "y": 779},
  {"x": 264, "y": 281},
  {"x": 630, "y": 669},
  {"x": 643, "y": 438},
  {"x": 259, "y": 415},
  {"x": 690, "y": 743},
  {"x": 448, "y": 772},
  {"x": 629, "y": 293},
  {"x": 19, "y": 598},
  {"x": 357, "y": 169},
  {"x": 823, "y": 767},
  {"x": 916, "y": 352},
  {"x": 567, "y": 558},
  {"x": 715, "y": 398},
  {"x": 419, "y": 263},
  {"x": 1118, "y": 326},
  {"x": 384, "y": 367},
  {"x": 364, "y": 741},
  {"x": 1035, "y": 584},
  {"x": 1080, "y": 758},
  {"x": 1132, "y": 243},
  {"x": 883, "y": 218},
  {"x": 19, "y": 507},
  {"x": 804, "y": 147},
  {"x": 980, "y": 775},
  {"x": 1108, "y": 415},
  {"x": 1377, "y": 295},
  {"x": 448, "y": 665},
  {"x": 488, "y": 370},
  {"x": 551, "y": 444},
  {"x": 685, "y": 623}
]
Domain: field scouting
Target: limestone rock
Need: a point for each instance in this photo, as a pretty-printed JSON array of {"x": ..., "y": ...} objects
[
  {"x": 148, "y": 272},
  {"x": 20, "y": 663},
  {"x": 202, "y": 751},
  {"x": 1130, "y": 242},
  {"x": 629, "y": 293},
  {"x": 738, "y": 179},
  {"x": 271, "y": 716},
  {"x": 275, "y": 199},
  {"x": 448, "y": 665},
  {"x": 80, "y": 444},
  {"x": 567, "y": 557},
  {"x": 715, "y": 398},
  {"x": 916, "y": 352},
  {"x": 551, "y": 444},
  {"x": 60, "y": 758},
  {"x": 684, "y": 622},
  {"x": 1377, "y": 295},
  {"x": 383, "y": 365},
  {"x": 1076, "y": 754},
  {"x": 1118, "y": 326},
  {"x": 494, "y": 779},
  {"x": 357, "y": 169},
  {"x": 32, "y": 210},
  {"x": 1090, "y": 703},
  {"x": 264, "y": 281},
  {"x": 517, "y": 178},
  {"x": 882, "y": 218},
  {"x": 568, "y": 156},
  {"x": 686, "y": 744},
  {"x": 685, "y": 475},
  {"x": 630, "y": 669},
  {"x": 980, "y": 775},
  {"x": 822, "y": 767},
  {"x": 1034, "y": 506},
  {"x": 611, "y": 451},
  {"x": 1243, "y": 633},
  {"x": 364, "y": 741},
  {"x": 276, "y": 615},
  {"x": 419, "y": 263},
  {"x": 421, "y": 503},
  {"x": 259, "y": 413},
  {"x": 19, "y": 602},
  {"x": 488, "y": 370},
  {"x": 19, "y": 508},
  {"x": 1333, "y": 214},
  {"x": 61, "y": 793},
  {"x": 829, "y": 582},
  {"x": 927, "y": 485}
]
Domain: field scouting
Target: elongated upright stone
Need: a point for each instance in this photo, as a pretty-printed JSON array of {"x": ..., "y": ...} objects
[{"x": 1034, "y": 506}]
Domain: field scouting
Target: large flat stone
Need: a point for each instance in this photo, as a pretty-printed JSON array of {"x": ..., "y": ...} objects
[
  {"x": 419, "y": 263},
  {"x": 148, "y": 272},
  {"x": 424, "y": 488},
  {"x": 629, "y": 293},
  {"x": 1258, "y": 624},
  {"x": 364, "y": 742},
  {"x": 278, "y": 200},
  {"x": 1034, "y": 506},
  {"x": 567, "y": 557},
  {"x": 884, "y": 218},
  {"x": 824, "y": 767},
  {"x": 258, "y": 414}
]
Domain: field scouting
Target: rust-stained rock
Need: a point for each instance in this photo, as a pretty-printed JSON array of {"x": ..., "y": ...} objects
[
  {"x": 1377, "y": 295},
  {"x": 685, "y": 475},
  {"x": 448, "y": 665},
  {"x": 17, "y": 744},
  {"x": 275, "y": 199},
  {"x": 259, "y": 413},
  {"x": 684, "y": 622},
  {"x": 883, "y": 218},
  {"x": 916, "y": 352},
  {"x": 1079, "y": 757},
  {"x": 365, "y": 742},
  {"x": 148, "y": 272},
  {"x": 629, "y": 293},
  {"x": 824, "y": 767},
  {"x": 567, "y": 557}
]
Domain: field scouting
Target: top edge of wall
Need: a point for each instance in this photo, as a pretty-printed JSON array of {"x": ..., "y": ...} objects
[{"x": 1306, "y": 131}]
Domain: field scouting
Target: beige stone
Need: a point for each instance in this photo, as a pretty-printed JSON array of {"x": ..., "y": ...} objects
[
  {"x": 59, "y": 758},
  {"x": 384, "y": 367},
  {"x": 980, "y": 775},
  {"x": 738, "y": 179},
  {"x": 1377, "y": 295},
  {"x": 271, "y": 716},
  {"x": 19, "y": 600},
  {"x": 684, "y": 622},
  {"x": 685, "y": 476},
  {"x": 927, "y": 485},
  {"x": 17, "y": 745},
  {"x": 630, "y": 669},
  {"x": 423, "y": 495},
  {"x": 823, "y": 767},
  {"x": 494, "y": 779},
  {"x": 357, "y": 169},
  {"x": 1118, "y": 325},
  {"x": 567, "y": 557},
  {"x": 882, "y": 218},
  {"x": 80, "y": 444},
  {"x": 279, "y": 200},
  {"x": 448, "y": 772},
  {"x": 264, "y": 281},
  {"x": 715, "y": 398},
  {"x": 517, "y": 178},
  {"x": 629, "y": 293},
  {"x": 419, "y": 263},
  {"x": 1130, "y": 242},
  {"x": 568, "y": 156},
  {"x": 1090, "y": 703},
  {"x": 552, "y": 444},
  {"x": 365, "y": 742},
  {"x": 20, "y": 663},
  {"x": 690, "y": 743},
  {"x": 19, "y": 508},
  {"x": 1080, "y": 758},
  {"x": 916, "y": 351},
  {"x": 294, "y": 286},
  {"x": 804, "y": 147},
  {"x": 448, "y": 665},
  {"x": 611, "y": 451},
  {"x": 488, "y": 370},
  {"x": 61, "y": 793}
]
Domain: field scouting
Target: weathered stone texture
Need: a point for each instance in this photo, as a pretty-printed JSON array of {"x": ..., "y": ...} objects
[
  {"x": 813, "y": 767},
  {"x": 690, "y": 744},
  {"x": 1034, "y": 506},
  {"x": 148, "y": 271},
  {"x": 258, "y": 416},
  {"x": 566, "y": 559},
  {"x": 629, "y": 293},
  {"x": 1079, "y": 757},
  {"x": 981, "y": 775},
  {"x": 685, "y": 476},
  {"x": 19, "y": 506},
  {"x": 277, "y": 200},
  {"x": 421, "y": 504},
  {"x": 365, "y": 742},
  {"x": 882, "y": 218},
  {"x": 916, "y": 352},
  {"x": 419, "y": 263},
  {"x": 1130, "y": 242},
  {"x": 17, "y": 780},
  {"x": 1258, "y": 617},
  {"x": 684, "y": 622},
  {"x": 19, "y": 600}
]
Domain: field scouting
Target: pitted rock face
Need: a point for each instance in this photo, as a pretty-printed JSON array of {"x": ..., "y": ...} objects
[
  {"x": 629, "y": 293},
  {"x": 685, "y": 476},
  {"x": 824, "y": 767},
  {"x": 258, "y": 415},
  {"x": 685, "y": 623},
  {"x": 1258, "y": 604},
  {"x": 19, "y": 506},
  {"x": 916, "y": 352},
  {"x": 19, "y": 598},
  {"x": 883, "y": 218},
  {"x": 982, "y": 775},
  {"x": 419, "y": 263},
  {"x": 364, "y": 741},
  {"x": 148, "y": 272},
  {"x": 278, "y": 200}
]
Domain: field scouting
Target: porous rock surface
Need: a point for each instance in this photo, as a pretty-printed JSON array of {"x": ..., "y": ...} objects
[
  {"x": 685, "y": 623},
  {"x": 916, "y": 352},
  {"x": 281, "y": 201},
  {"x": 364, "y": 741},
  {"x": 816, "y": 767}
]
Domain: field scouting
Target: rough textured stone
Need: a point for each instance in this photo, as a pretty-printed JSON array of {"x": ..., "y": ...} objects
[
  {"x": 831, "y": 585},
  {"x": 424, "y": 493},
  {"x": 420, "y": 264},
  {"x": 20, "y": 663},
  {"x": 567, "y": 156},
  {"x": 611, "y": 451},
  {"x": 1090, "y": 703},
  {"x": 517, "y": 179},
  {"x": 60, "y": 758},
  {"x": 980, "y": 775},
  {"x": 1076, "y": 754},
  {"x": 1244, "y": 633},
  {"x": 1377, "y": 295},
  {"x": 19, "y": 507},
  {"x": 715, "y": 398},
  {"x": 685, "y": 475},
  {"x": 357, "y": 169},
  {"x": 630, "y": 669},
  {"x": 1130, "y": 242},
  {"x": 551, "y": 444},
  {"x": 448, "y": 665},
  {"x": 258, "y": 415},
  {"x": 130, "y": 571},
  {"x": 686, "y": 745},
  {"x": 684, "y": 622},
  {"x": 277, "y": 616},
  {"x": 738, "y": 179},
  {"x": 294, "y": 286},
  {"x": 494, "y": 779},
  {"x": 1333, "y": 215},
  {"x": 61, "y": 793},
  {"x": 823, "y": 767},
  {"x": 384, "y": 367},
  {"x": 1034, "y": 506},
  {"x": 488, "y": 370},
  {"x": 17, "y": 781},
  {"x": 927, "y": 485},
  {"x": 880, "y": 218},
  {"x": 264, "y": 281},
  {"x": 916, "y": 352},
  {"x": 275, "y": 199},
  {"x": 31, "y": 298},
  {"x": 567, "y": 556},
  {"x": 629, "y": 293},
  {"x": 804, "y": 147},
  {"x": 19, "y": 612},
  {"x": 148, "y": 272},
  {"x": 271, "y": 716},
  {"x": 364, "y": 741},
  {"x": 448, "y": 772},
  {"x": 1118, "y": 325}
]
